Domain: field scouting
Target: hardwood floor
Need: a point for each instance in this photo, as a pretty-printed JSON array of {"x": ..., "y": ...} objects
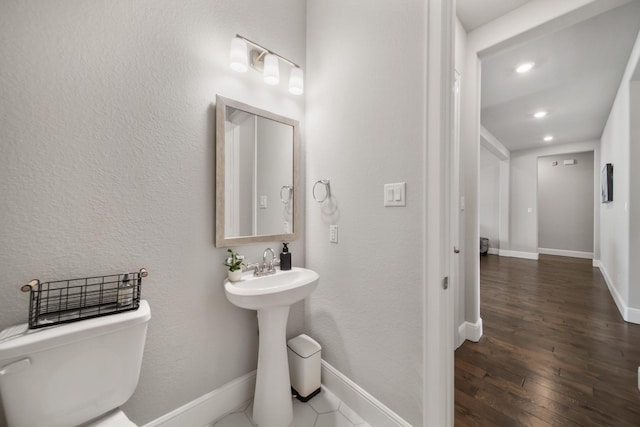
[{"x": 555, "y": 350}]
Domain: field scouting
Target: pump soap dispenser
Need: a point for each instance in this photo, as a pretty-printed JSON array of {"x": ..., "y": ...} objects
[{"x": 285, "y": 258}]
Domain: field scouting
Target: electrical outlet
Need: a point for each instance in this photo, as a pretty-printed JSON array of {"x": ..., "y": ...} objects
[{"x": 333, "y": 233}]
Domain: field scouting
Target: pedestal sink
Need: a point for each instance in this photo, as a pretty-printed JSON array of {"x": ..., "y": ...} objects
[{"x": 272, "y": 296}]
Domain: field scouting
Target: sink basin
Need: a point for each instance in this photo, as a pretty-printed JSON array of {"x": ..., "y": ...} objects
[
  {"x": 281, "y": 289},
  {"x": 271, "y": 296}
]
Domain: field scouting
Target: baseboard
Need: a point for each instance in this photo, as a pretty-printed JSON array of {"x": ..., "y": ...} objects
[
  {"x": 518, "y": 254},
  {"x": 361, "y": 402},
  {"x": 493, "y": 251},
  {"x": 562, "y": 252},
  {"x": 470, "y": 331},
  {"x": 462, "y": 334},
  {"x": 237, "y": 393},
  {"x": 596, "y": 263},
  {"x": 629, "y": 314},
  {"x": 211, "y": 406}
]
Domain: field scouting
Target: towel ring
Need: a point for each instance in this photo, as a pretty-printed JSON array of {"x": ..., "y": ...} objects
[
  {"x": 289, "y": 194},
  {"x": 327, "y": 185}
]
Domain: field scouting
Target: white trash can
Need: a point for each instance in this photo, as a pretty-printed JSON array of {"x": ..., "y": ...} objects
[{"x": 304, "y": 366}]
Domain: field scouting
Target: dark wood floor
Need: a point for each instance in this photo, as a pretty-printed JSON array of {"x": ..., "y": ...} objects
[{"x": 555, "y": 350}]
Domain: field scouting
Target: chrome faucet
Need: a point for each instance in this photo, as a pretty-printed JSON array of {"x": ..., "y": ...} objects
[
  {"x": 269, "y": 268},
  {"x": 263, "y": 268}
]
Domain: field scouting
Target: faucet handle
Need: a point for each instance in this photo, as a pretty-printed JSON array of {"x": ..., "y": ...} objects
[{"x": 252, "y": 266}]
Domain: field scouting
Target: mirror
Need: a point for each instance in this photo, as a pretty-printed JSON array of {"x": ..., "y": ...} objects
[{"x": 256, "y": 175}]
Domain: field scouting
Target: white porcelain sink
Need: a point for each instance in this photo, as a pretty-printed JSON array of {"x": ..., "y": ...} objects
[
  {"x": 271, "y": 296},
  {"x": 282, "y": 288}
]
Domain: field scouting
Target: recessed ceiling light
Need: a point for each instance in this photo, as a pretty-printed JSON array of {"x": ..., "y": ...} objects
[
  {"x": 523, "y": 68},
  {"x": 548, "y": 138},
  {"x": 540, "y": 114}
]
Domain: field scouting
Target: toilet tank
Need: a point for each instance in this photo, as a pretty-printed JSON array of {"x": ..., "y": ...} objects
[{"x": 65, "y": 375}]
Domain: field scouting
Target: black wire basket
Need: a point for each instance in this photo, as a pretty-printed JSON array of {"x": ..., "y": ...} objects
[{"x": 65, "y": 301}]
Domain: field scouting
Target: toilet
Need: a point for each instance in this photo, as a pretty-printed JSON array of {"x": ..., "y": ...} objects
[{"x": 74, "y": 374}]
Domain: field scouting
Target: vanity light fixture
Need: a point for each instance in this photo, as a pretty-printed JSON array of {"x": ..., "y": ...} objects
[
  {"x": 265, "y": 61},
  {"x": 540, "y": 114},
  {"x": 525, "y": 67},
  {"x": 238, "y": 55},
  {"x": 548, "y": 138},
  {"x": 271, "y": 69}
]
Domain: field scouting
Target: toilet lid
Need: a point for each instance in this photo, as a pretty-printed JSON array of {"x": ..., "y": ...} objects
[{"x": 112, "y": 419}]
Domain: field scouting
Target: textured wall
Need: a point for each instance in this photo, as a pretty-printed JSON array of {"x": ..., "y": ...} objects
[
  {"x": 106, "y": 164},
  {"x": 488, "y": 197},
  {"x": 615, "y": 217},
  {"x": 460, "y": 290},
  {"x": 367, "y": 310},
  {"x": 565, "y": 202},
  {"x": 523, "y": 192}
]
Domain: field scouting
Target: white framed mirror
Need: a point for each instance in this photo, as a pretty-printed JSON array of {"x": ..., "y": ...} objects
[{"x": 257, "y": 177}]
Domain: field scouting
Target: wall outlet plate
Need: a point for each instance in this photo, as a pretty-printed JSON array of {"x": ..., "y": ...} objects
[{"x": 333, "y": 233}]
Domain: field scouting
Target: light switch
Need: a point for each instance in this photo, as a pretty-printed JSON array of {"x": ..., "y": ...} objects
[
  {"x": 333, "y": 233},
  {"x": 263, "y": 202},
  {"x": 395, "y": 194},
  {"x": 529, "y": 210}
]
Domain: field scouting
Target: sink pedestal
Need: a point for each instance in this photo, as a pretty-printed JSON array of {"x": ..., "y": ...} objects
[
  {"x": 272, "y": 296},
  {"x": 272, "y": 405}
]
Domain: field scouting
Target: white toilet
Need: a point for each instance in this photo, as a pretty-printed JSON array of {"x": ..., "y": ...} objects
[{"x": 73, "y": 374}]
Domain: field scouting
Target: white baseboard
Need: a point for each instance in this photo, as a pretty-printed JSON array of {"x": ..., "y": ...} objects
[
  {"x": 470, "y": 331},
  {"x": 562, "y": 252},
  {"x": 211, "y": 406},
  {"x": 462, "y": 335},
  {"x": 518, "y": 254},
  {"x": 596, "y": 263},
  {"x": 361, "y": 402},
  {"x": 629, "y": 314},
  {"x": 493, "y": 251},
  {"x": 237, "y": 393}
]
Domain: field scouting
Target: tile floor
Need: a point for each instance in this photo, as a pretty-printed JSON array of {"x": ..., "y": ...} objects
[{"x": 323, "y": 410}]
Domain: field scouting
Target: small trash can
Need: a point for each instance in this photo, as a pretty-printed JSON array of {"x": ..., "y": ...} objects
[
  {"x": 304, "y": 366},
  {"x": 484, "y": 246}
]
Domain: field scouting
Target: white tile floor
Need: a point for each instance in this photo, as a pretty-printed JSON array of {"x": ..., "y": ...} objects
[{"x": 323, "y": 410}]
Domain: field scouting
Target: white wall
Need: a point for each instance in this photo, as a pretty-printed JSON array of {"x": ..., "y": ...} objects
[
  {"x": 489, "y": 197},
  {"x": 523, "y": 225},
  {"x": 460, "y": 290},
  {"x": 367, "y": 311},
  {"x": 615, "y": 217},
  {"x": 634, "y": 190},
  {"x": 107, "y": 164},
  {"x": 566, "y": 204}
]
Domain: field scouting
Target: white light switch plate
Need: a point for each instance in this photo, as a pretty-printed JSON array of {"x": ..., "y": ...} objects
[{"x": 395, "y": 194}]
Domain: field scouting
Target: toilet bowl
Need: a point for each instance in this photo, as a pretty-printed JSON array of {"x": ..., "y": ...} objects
[{"x": 74, "y": 374}]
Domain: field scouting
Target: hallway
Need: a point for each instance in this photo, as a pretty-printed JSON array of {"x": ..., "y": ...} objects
[{"x": 555, "y": 350}]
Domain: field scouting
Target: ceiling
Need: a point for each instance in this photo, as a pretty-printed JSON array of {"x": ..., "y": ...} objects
[
  {"x": 475, "y": 13},
  {"x": 575, "y": 79}
]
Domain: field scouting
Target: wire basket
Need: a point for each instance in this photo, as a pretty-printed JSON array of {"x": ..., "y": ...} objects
[{"x": 65, "y": 301}]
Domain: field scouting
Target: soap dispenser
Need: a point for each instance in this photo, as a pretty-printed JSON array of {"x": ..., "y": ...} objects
[{"x": 285, "y": 258}]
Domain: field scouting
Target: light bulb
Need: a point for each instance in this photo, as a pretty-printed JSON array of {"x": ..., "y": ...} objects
[
  {"x": 540, "y": 114},
  {"x": 296, "y": 81},
  {"x": 523, "y": 68},
  {"x": 238, "y": 55},
  {"x": 548, "y": 138},
  {"x": 271, "y": 70}
]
